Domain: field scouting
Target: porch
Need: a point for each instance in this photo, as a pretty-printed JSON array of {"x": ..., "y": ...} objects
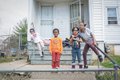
[{"x": 61, "y": 14}]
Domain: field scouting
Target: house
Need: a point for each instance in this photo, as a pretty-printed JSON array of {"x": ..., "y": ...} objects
[{"x": 101, "y": 16}]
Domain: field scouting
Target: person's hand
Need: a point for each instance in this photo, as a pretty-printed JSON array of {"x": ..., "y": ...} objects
[
  {"x": 94, "y": 43},
  {"x": 72, "y": 36}
]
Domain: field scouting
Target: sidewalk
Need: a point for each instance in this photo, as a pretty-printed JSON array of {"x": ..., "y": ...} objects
[
  {"x": 23, "y": 65},
  {"x": 13, "y": 65}
]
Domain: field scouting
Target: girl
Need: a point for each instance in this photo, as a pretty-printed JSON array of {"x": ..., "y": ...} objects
[
  {"x": 36, "y": 38},
  {"x": 75, "y": 42},
  {"x": 56, "y": 49},
  {"x": 90, "y": 41}
]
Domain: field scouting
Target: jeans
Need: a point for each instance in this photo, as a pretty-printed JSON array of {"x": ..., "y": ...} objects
[{"x": 76, "y": 52}]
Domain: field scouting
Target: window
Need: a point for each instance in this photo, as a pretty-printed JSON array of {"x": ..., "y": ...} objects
[
  {"x": 112, "y": 15},
  {"x": 47, "y": 15}
]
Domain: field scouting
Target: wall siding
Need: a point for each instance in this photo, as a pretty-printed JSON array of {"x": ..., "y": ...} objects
[
  {"x": 97, "y": 19},
  {"x": 112, "y": 32}
]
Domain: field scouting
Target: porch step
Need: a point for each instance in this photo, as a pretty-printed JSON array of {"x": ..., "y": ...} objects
[{"x": 66, "y": 57}]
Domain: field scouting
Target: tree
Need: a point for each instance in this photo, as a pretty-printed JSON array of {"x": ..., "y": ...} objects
[{"x": 20, "y": 31}]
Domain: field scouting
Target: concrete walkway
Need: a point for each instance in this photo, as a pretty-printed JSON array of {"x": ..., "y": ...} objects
[{"x": 23, "y": 65}]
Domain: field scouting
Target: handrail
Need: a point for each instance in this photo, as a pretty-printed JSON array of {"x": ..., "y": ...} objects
[
  {"x": 59, "y": 70},
  {"x": 114, "y": 63}
]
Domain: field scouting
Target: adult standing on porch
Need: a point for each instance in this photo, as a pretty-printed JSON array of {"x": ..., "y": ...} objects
[{"x": 90, "y": 42}]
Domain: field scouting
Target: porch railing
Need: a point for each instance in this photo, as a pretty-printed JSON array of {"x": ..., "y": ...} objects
[{"x": 61, "y": 74}]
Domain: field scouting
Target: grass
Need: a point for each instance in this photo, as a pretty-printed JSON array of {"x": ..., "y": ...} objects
[
  {"x": 9, "y": 59},
  {"x": 6, "y": 59},
  {"x": 109, "y": 64}
]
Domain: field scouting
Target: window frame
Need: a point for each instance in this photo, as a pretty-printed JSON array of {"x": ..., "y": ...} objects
[{"x": 117, "y": 14}]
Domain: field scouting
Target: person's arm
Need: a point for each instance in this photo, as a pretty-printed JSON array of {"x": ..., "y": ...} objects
[
  {"x": 92, "y": 35},
  {"x": 94, "y": 40},
  {"x": 61, "y": 46},
  {"x": 31, "y": 38},
  {"x": 50, "y": 47},
  {"x": 80, "y": 39},
  {"x": 71, "y": 39}
]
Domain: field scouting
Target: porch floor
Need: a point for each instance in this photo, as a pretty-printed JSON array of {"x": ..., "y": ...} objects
[{"x": 23, "y": 65}]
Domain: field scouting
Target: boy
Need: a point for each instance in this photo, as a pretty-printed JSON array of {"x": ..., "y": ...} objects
[
  {"x": 36, "y": 38},
  {"x": 90, "y": 41},
  {"x": 75, "y": 42},
  {"x": 56, "y": 49}
]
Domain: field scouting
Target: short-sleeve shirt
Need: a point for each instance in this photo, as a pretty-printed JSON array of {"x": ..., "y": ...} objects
[
  {"x": 86, "y": 35},
  {"x": 75, "y": 43},
  {"x": 36, "y": 38}
]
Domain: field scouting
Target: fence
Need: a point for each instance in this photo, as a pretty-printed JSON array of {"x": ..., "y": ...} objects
[
  {"x": 61, "y": 74},
  {"x": 11, "y": 44}
]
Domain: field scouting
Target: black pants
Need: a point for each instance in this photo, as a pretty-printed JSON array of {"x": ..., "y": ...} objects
[{"x": 89, "y": 44}]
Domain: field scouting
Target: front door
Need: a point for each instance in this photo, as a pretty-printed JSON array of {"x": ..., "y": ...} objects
[
  {"x": 46, "y": 21},
  {"x": 75, "y": 13}
]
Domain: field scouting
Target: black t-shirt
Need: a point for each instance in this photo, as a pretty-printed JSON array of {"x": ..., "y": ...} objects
[{"x": 76, "y": 43}]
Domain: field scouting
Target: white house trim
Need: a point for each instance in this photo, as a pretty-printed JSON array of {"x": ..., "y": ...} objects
[{"x": 90, "y": 14}]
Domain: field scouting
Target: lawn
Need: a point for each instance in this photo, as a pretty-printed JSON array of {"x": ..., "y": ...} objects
[
  {"x": 6, "y": 59},
  {"x": 109, "y": 64}
]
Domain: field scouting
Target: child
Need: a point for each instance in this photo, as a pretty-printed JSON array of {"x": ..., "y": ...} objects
[
  {"x": 56, "y": 49},
  {"x": 90, "y": 41},
  {"x": 75, "y": 42},
  {"x": 36, "y": 38}
]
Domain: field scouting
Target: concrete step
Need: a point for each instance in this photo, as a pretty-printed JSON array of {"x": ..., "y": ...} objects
[
  {"x": 48, "y": 62},
  {"x": 66, "y": 57},
  {"x": 63, "y": 53},
  {"x": 63, "y": 57}
]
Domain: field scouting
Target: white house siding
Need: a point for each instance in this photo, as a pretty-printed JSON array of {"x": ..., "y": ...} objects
[
  {"x": 61, "y": 17},
  {"x": 112, "y": 32},
  {"x": 11, "y": 12},
  {"x": 96, "y": 18},
  {"x": 32, "y": 15}
]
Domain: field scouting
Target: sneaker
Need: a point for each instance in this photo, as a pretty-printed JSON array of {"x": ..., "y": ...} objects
[
  {"x": 42, "y": 53},
  {"x": 73, "y": 66},
  {"x": 100, "y": 58},
  {"x": 85, "y": 66},
  {"x": 57, "y": 67},
  {"x": 80, "y": 66}
]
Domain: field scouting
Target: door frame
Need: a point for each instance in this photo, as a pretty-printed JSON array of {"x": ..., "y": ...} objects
[
  {"x": 40, "y": 16},
  {"x": 77, "y": 19}
]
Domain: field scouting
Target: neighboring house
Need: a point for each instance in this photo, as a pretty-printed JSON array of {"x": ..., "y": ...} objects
[{"x": 101, "y": 16}]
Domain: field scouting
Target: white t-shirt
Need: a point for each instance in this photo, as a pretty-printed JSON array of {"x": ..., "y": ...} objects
[
  {"x": 37, "y": 39},
  {"x": 87, "y": 34}
]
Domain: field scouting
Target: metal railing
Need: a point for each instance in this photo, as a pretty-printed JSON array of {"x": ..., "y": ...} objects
[{"x": 61, "y": 74}]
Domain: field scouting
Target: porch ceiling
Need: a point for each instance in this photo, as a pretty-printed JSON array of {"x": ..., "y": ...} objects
[{"x": 54, "y": 0}]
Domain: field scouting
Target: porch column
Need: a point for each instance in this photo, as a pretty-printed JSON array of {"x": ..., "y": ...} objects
[{"x": 30, "y": 7}]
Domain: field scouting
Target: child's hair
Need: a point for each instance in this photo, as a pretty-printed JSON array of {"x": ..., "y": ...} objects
[
  {"x": 83, "y": 23},
  {"x": 56, "y": 29},
  {"x": 74, "y": 28},
  {"x": 32, "y": 30}
]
